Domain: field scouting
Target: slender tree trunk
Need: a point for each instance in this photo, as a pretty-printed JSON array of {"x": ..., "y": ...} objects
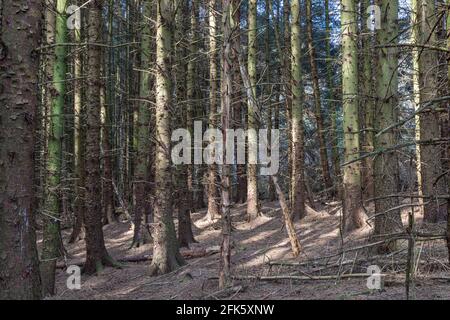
[
  {"x": 352, "y": 206},
  {"x": 317, "y": 98},
  {"x": 448, "y": 133},
  {"x": 52, "y": 242},
  {"x": 166, "y": 255},
  {"x": 79, "y": 146},
  {"x": 253, "y": 117},
  {"x": 298, "y": 156},
  {"x": 239, "y": 110},
  {"x": 332, "y": 103},
  {"x": 213, "y": 206},
  {"x": 19, "y": 37},
  {"x": 268, "y": 90},
  {"x": 386, "y": 165},
  {"x": 142, "y": 131},
  {"x": 96, "y": 255},
  {"x": 429, "y": 155},
  {"x": 367, "y": 103},
  {"x": 226, "y": 92}
]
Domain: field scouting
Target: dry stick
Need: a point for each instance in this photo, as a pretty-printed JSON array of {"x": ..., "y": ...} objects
[{"x": 295, "y": 244}]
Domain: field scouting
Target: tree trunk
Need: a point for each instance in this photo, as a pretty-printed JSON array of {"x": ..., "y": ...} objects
[
  {"x": 253, "y": 117},
  {"x": 352, "y": 201},
  {"x": 166, "y": 255},
  {"x": 79, "y": 146},
  {"x": 317, "y": 99},
  {"x": 386, "y": 165},
  {"x": 427, "y": 127},
  {"x": 96, "y": 255},
  {"x": 332, "y": 104},
  {"x": 142, "y": 131},
  {"x": 239, "y": 110},
  {"x": 213, "y": 205},
  {"x": 19, "y": 37},
  {"x": 52, "y": 242},
  {"x": 226, "y": 92},
  {"x": 367, "y": 103},
  {"x": 298, "y": 156}
]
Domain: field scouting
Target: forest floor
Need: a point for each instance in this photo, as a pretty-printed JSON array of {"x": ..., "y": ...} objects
[{"x": 255, "y": 246}]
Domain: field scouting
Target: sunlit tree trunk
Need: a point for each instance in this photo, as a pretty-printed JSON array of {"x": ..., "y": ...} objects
[
  {"x": 166, "y": 255},
  {"x": 297, "y": 153},
  {"x": 253, "y": 117},
  {"x": 386, "y": 166},
  {"x": 332, "y": 101},
  {"x": 213, "y": 205},
  {"x": 352, "y": 201},
  {"x": 226, "y": 93},
  {"x": 52, "y": 244}
]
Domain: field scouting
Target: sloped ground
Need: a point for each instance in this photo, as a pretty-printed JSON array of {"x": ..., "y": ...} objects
[{"x": 255, "y": 245}]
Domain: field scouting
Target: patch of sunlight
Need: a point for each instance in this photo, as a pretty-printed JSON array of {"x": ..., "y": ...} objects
[{"x": 259, "y": 237}]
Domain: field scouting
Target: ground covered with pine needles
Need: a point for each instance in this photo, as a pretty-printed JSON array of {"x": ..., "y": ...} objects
[{"x": 263, "y": 264}]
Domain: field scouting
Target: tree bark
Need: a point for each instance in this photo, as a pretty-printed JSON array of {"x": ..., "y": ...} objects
[
  {"x": 352, "y": 197},
  {"x": 298, "y": 156},
  {"x": 228, "y": 23},
  {"x": 253, "y": 117},
  {"x": 386, "y": 164},
  {"x": 19, "y": 64},
  {"x": 213, "y": 195},
  {"x": 166, "y": 254},
  {"x": 96, "y": 254},
  {"x": 52, "y": 242}
]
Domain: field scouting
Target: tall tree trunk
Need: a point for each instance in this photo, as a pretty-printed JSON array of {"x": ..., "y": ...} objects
[
  {"x": 79, "y": 139},
  {"x": 268, "y": 91},
  {"x": 19, "y": 37},
  {"x": 166, "y": 255},
  {"x": 213, "y": 206},
  {"x": 96, "y": 255},
  {"x": 239, "y": 109},
  {"x": 142, "y": 131},
  {"x": 317, "y": 98},
  {"x": 386, "y": 165},
  {"x": 429, "y": 155},
  {"x": 332, "y": 103},
  {"x": 367, "y": 103},
  {"x": 226, "y": 92},
  {"x": 298, "y": 156},
  {"x": 253, "y": 117},
  {"x": 352, "y": 201},
  {"x": 52, "y": 242}
]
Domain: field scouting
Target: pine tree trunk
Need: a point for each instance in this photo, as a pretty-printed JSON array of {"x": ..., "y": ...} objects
[
  {"x": 239, "y": 110},
  {"x": 142, "y": 131},
  {"x": 298, "y": 157},
  {"x": 166, "y": 255},
  {"x": 367, "y": 103},
  {"x": 352, "y": 197},
  {"x": 213, "y": 206},
  {"x": 332, "y": 104},
  {"x": 226, "y": 93},
  {"x": 52, "y": 242},
  {"x": 317, "y": 98},
  {"x": 427, "y": 128},
  {"x": 19, "y": 65},
  {"x": 386, "y": 166},
  {"x": 79, "y": 147},
  {"x": 96, "y": 255},
  {"x": 253, "y": 117}
]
